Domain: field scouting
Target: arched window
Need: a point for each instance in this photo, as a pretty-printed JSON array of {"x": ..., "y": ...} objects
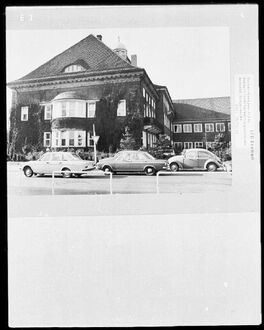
[{"x": 74, "y": 68}]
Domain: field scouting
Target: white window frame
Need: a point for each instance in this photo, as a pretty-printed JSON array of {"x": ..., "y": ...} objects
[
  {"x": 45, "y": 139},
  {"x": 74, "y": 68},
  {"x": 207, "y": 125},
  {"x": 188, "y": 143},
  {"x": 209, "y": 144},
  {"x": 198, "y": 144},
  {"x": 176, "y": 130},
  {"x": 90, "y": 141},
  {"x": 144, "y": 92},
  {"x": 178, "y": 145},
  {"x": 121, "y": 112},
  {"x": 91, "y": 112},
  {"x": 197, "y": 128},
  {"x": 24, "y": 113},
  {"x": 48, "y": 111},
  {"x": 220, "y": 127},
  {"x": 184, "y": 126}
]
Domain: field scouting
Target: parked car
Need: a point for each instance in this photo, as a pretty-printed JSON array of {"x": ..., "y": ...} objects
[
  {"x": 57, "y": 161},
  {"x": 195, "y": 159},
  {"x": 228, "y": 165},
  {"x": 132, "y": 161}
]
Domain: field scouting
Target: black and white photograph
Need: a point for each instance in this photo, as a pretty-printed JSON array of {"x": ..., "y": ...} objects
[{"x": 133, "y": 170}]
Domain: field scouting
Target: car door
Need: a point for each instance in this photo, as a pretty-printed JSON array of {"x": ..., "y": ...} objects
[
  {"x": 139, "y": 161},
  {"x": 40, "y": 166},
  {"x": 55, "y": 163},
  {"x": 123, "y": 162},
  {"x": 203, "y": 156},
  {"x": 190, "y": 160}
]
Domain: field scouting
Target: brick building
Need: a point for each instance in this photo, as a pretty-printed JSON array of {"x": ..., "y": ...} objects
[
  {"x": 56, "y": 105},
  {"x": 198, "y": 121}
]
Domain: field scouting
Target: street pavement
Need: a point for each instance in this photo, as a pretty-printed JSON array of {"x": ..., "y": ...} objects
[{"x": 97, "y": 183}]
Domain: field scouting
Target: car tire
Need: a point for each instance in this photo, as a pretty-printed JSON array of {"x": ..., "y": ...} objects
[
  {"x": 211, "y": 167},
  {"x": 174, "y": 167},
  {"x": 108, "y": 169},
  {"x": 150, "y": 171},
  {"x": 28, "y": 171},
  {"x": 66, "y": 175}
]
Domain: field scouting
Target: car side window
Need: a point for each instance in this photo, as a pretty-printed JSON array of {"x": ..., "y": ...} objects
[
  {"x": 127, "y": 157},
  {"x": 142, "y": 157},
  {"x": 56, "y": 157},
  {"x": 66, "y": 157},
  {"x": 203, "y": 154},
  {"x": 191, "y": 154},
  {"x": 45, "y": 157}
]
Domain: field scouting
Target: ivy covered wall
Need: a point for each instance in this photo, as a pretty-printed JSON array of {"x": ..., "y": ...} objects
[{"x": 28, "y": 135}]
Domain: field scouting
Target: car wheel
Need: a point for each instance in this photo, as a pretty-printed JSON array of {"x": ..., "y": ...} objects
[
  {"x": 66, "y": 173},
  {"x": 211, "y": 167},
  {"x": 28, "y": 171},
  {"x": 150, "y": 171},
  {"x": 174, "y": 167},
  {"x": 107, "y": 169}
]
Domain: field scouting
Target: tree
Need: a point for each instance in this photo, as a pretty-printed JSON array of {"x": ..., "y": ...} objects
[
  {"x": 127, "y": 141},
  {"x": 161, "y": 146},
  {"x": 220, "y": 146}
]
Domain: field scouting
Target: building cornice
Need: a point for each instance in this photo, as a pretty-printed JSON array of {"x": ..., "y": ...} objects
[{"x": 77, "y": 78}]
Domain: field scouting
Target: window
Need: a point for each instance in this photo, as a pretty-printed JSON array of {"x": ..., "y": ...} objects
[
  {"x": 204, "y": 155},
  {"x": 46, "y": 157},
  {"x": 47, "y": 139},
  {"x": 191, "y": 154},
  {"x": 220, "y": 127},
  {"x": 144, "y": 92},
  {"x": 63, "y": 109},
  {"x": 74, "y": 68},
  {"x": 56, "y": 157},
  {"x": 187, "y": 128},
  {"x": 63, "y": 138},
  {"x": 178, "y": 128},
  {"x": 188, "y": 145},
  {"x": 71, "y": 138},
  {"x": 198, "y": 144},
  {"x": 197, "y": 128},
  {"x": 209, "y": 127},
  {"x": 48, "y": 112},
  {"x": 57, "y": 136},
  {"x": 209, "y": 145},
  {"x": 121, "y": 109},
  {"x": 90, "y": 141},
  {"x": 81, "y": 138},
  {"x": 24, "y": 113},
  {"x": 91, "y": 109},
  {"x": 71, "y": 108},
  {"x": 178, "y": 145},
  {"x": 229, "y": 127}
]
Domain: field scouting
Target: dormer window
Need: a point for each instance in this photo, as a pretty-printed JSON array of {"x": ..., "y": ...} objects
[{"x": 74, "y": 68}]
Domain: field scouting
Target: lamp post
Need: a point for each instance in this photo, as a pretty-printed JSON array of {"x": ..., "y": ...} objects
[{"x": 95, "y": 139}]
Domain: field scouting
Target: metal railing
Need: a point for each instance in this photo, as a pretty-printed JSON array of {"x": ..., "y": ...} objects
[{"x": 81, "y": 172}]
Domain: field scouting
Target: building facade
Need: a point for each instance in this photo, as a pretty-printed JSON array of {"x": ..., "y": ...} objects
[
  {"x": 197, "y": 126},
  {"x": 87, "y": 89}
]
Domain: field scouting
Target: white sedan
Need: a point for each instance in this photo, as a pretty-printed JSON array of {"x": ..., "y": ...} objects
[{"x": 65, "y": 162}]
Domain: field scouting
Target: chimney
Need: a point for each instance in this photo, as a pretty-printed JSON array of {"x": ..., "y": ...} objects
[
  {"x": 99, "y": 37},
  {"x": 134, "y": 60}
]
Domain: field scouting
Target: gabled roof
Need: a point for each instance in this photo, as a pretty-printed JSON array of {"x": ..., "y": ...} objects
[
  {"x": 219, "y": 104},
  {"x": 189, "y": 112},
  {"x": 91, "y": 52}
]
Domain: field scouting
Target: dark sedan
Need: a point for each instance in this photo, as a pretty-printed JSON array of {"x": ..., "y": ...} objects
[{"x": 132, "y": 161}]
